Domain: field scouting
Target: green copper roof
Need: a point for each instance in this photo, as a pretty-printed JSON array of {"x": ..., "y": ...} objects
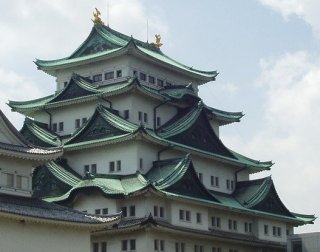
[
  {"x": 106, "y": 127},
  {"x": 171, "y": 177},
  {"x": 261, "y": 195},
  {"x": 225, "y": 117},
  {"x": 179, "y": 177},
  {"x": 104, "y": 41},
  {"x": 38, "y": 133}
]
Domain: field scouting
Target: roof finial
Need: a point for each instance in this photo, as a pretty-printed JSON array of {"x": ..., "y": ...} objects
[
  {"x": 158, "y": 44},
  {"x": 96, "y": 17}
]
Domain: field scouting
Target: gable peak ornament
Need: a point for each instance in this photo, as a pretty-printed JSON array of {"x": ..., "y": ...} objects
[
  {"x": 158, "y": 44},
  {"x": 96, "y": 17}
]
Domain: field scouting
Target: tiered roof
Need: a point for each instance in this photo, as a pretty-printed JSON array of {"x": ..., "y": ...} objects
[
  {"x": 106, "y": 127},
  {"x": 13, "y": 144},
  {"x": 177, "y": 178},
  {"x": 80, "y": 89},
  {"x": 105, "y": 43},
  {"x": 35, "y": 210}
]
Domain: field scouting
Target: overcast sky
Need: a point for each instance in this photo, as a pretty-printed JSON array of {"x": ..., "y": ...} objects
[{"x": 267, "y": 54}]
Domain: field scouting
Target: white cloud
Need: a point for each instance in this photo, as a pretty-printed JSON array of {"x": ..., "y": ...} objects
[
  {"x": 308, "y": 10},
  {"x": 17, "y": 88},
  {"x": 290, "y": 135}
]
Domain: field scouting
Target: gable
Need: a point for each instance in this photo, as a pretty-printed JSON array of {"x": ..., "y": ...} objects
[
  {"x": 71, "y": 91},
  {"x": 201, "y": 136},
  {"x": 7, "y": 132},
  {"x": 272, "y": 204},
  {"x": 97, "y": 128},
  {"x": 190, "y": 186}
]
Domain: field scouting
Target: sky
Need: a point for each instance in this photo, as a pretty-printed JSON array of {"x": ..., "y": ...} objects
[{"x": 267, "y": 53}]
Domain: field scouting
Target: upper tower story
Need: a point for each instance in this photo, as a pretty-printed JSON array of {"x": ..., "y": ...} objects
[{"x": 108, "y": 56}]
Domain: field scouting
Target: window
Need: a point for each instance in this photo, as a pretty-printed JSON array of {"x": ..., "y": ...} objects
[
  {"x": 216, "y": 249},
  {"x": 124, "y": 211},
  {"x": 124, "y": 245},
  {"x": 181, "y": 214},
  {"x": 143, "y": 76},
  {"x": 54, "y": 127},
  {"x": 158, "y": 245},
  {"x": 248, "y": 227},
  {"x": 97, "y": 211},
  {"x": 118, "y": 165},
  {"x": 140, "y": 116},
  {"x": 232, "y": 184},
  {"x": 77, "y": 123},
  {"x": 103, "y": 247},
  {"x": 60, "y": 126},
  {"x": 145, "y": 117},
  {"x": 126, "y": 114},
  {"x": 214, "y": 181},
  {"x": 180, "y": 247},
  {"x": 95, "y": 247},
  {"x": 161, "y": 245},
  {"x": 278, "y": 231},
  {"x": 215, "y": 222},
  {"x": 111, "y": 166},
  {"x": 266, "y": 229},
  {"x": 97, "y": 77},
  {"x": 84, "y": 120},
  {"x": 200, "y": 175},
  {"x": 228, "y": 184},
  {"x": 65, "y": 83},
  {"x": 151, "y": 79},
  {"x": 141, "y": 163},
  {"x": 188, "y": 216},
  {"x": 86, "y": 168},
  {"x": 199, "y": 219},
  {"x": 158, "y": 121},
  {"x": 93, "y": 168},
  {"x": 198, "y": 248},
  {"x": 161, "y": 212},
  {"x": 109, "y": 75},
  {"x": 155, "y": 211},
  {"x": 274, "y": 231},
  {"x": 9, "y": 179},
  {"x": 235, "y": 225},
  {"x": 132, "y": 211},
  {"x": 119, "y": 73},
  {"x": 132, "y": 244},
  {"x": 160, "y": 82},
  {"x": 232, "y": 225},
  {"x": 105, "y": 211}
]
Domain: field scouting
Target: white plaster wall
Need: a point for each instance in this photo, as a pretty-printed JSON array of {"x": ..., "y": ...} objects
[
  {"x": 90, "y": 203},
  {"x": 30, "y": 237},
  {"x": 148, "y": 152},
  {"x": 260, "y": 226},
  {"x": 159, "y": 72},
  {"x": 175, "y": 218},
  {"x": 88, "y": 70},
  {"x": 101, "y": 156},
  {"x": 16, "y": 167},
  {"x": 213, "y": 168}
]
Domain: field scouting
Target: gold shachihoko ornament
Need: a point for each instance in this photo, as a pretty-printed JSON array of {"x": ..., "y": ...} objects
[
  {"x": 96, "y": 17},
  {"x": 158, "y": 44}
]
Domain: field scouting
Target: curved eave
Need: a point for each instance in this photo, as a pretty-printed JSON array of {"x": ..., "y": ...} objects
[
  {"x": 203, "y": 76},
  {"x": 31, "y": 219},
  {"x": 306, "y": 218},
  {"x": 31, "y": 155},
  {"x": 51, "y": 66},
  {"x": 43, "y": 135}
]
